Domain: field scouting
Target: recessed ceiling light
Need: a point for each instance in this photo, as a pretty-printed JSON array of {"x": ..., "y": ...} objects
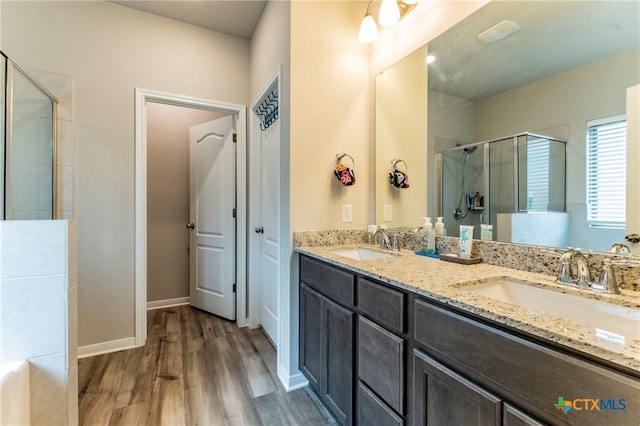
[{"x": 498, "y": 32}]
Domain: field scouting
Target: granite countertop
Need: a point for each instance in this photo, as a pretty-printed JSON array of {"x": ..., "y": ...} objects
[{"x": 446, "y": 282}]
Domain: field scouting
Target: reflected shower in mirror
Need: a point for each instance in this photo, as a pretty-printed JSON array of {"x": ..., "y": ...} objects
[{"x": 570, "y": 63}]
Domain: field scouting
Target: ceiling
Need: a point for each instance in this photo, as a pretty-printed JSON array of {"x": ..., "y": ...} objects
[
  {"x": 554, "y": 36},
  {"x": 235, "y": 17}
]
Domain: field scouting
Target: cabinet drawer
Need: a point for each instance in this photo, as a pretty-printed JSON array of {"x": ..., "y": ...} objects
[
  {"x": 381, "y": 363},
  {"x": 385, "y": 305},
  {"x": 374, "y": 412},
  {"x": 332, "y": 282},
  {"x": 528, "y": 374}
]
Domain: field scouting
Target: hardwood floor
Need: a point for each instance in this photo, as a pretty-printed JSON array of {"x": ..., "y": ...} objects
[{"x": 196, "y": 369}]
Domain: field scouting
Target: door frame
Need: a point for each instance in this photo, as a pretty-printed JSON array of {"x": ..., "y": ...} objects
[{"x": 142, "y": 96}]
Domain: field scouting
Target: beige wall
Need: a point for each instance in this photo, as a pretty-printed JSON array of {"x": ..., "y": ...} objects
[
  {"x": 329, "y": 114},
  {"x": 401, "y": 133},
  {"x": 168, "y": 198},
  {"x": 109, "y": 50}
]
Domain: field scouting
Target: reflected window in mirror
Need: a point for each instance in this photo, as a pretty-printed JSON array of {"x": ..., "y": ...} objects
[{"x": 606, "y": 172}]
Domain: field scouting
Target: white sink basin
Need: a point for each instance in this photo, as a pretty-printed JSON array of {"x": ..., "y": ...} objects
[
  {"x": 611, "y": 322},
  {"x": 363, "y": 254}
]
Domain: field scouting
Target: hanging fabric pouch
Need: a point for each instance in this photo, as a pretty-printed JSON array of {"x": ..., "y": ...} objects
[
  {"x": 397, "y": 177},
  {"x": 343, "y": 173}
]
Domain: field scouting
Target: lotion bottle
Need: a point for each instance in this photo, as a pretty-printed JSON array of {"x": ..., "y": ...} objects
[
  {"x": 428, "y": 237},
  {"x": 439, "y": 228}
]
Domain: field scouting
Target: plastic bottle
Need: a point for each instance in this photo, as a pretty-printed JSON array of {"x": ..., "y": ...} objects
[
  {"x": 439, "y": 228},
  {"x": 428, "y": 237}
]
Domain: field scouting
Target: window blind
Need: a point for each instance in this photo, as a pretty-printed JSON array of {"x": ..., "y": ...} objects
[
  {"x": 537, "y": 175},
  {"x": 606, "y": 172}
]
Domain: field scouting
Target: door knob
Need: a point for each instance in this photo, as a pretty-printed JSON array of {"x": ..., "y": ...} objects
[
  {"x": 259, "y": 230},
  {"x": 190, "y": 225}
]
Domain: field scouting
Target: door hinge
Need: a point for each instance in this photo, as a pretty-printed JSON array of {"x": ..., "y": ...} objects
[
  {"x": 235, "y": 137},
  {"x": 234, "y": 288},
  {"x": 234, "y": 212}
]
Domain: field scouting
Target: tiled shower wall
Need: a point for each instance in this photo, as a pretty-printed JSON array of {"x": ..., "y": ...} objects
[{"x": 61, "y": 87}]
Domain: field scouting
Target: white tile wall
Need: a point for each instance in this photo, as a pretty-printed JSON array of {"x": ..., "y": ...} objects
[{"x": 38, "y": 312}]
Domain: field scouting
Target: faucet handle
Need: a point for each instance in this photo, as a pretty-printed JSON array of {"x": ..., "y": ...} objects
[
  {"x": 564, "y": 274},
  {"x": 608, "y": 282}
]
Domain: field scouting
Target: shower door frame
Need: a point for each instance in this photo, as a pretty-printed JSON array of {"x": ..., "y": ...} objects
[{"x": 6, "y": 179}]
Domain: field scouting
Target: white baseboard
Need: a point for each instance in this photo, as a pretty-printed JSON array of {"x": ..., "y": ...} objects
[
  {"x": 290, "y": 382},
  {"x": 106, "y": 347},
  {"x": 167, "y": 303}
]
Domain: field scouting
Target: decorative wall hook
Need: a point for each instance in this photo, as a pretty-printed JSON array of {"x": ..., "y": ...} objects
[
  {"x": 343, "y": 173},
  {"x": 267, "y": 110},
  {"x": 398, "y": 177}
]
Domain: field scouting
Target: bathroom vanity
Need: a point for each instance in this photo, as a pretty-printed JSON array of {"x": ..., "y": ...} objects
[{"x": 402, "y": 340}]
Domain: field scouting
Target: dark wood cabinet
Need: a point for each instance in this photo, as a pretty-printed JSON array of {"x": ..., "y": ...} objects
[
  {"x": 443, "y": 397},
  {"x": 372, "y": 411},
  {"x": 513, "y": 416},
  {"x": 327, "y": 335},
  {"x": 337, "y": 350},
  {"x": 377, "y": 354},
  {"x": 311, "y": 336},
  {"x": 381, "y": 363}
]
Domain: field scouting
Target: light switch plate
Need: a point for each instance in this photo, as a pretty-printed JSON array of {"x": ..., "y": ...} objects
[
  {"x": 388, "y": 212},
  {"x": 347, "y": 213}
]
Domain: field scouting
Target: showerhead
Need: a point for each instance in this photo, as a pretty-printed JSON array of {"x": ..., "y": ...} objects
[{"x": 471, "y": 150}]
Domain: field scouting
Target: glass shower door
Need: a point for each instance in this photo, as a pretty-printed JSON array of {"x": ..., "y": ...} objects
[{"x": 29, "y": 149}]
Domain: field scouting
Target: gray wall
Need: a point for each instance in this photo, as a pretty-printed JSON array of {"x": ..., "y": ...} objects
[
  {"x": 593, "y": 91},
  {"x": 109, "y": 50}
]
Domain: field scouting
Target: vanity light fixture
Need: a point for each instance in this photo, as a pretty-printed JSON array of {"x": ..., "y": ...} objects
[{"x": 390, "y": 12}]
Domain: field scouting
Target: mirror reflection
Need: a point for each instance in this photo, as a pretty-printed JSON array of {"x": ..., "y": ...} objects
[{"x": 552, "y": 70}]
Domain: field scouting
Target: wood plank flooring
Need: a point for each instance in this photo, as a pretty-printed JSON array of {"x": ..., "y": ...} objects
[{"x": 196, "y": 369}]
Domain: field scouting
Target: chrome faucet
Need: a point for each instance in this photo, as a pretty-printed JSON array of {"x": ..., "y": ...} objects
[
  {"x": 382, "y": 238},
  {"x": 574, "y": 269},
  {"x": 619, "y": 248}
]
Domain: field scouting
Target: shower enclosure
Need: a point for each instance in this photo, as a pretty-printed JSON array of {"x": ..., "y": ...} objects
[
  {"x": 27, "y": 154},
  {"x": 493, "y": 181}
]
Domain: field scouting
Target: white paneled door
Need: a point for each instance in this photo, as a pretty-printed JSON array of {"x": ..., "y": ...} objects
[
  {"x": 212, "y": 162},
  {"x": 270, "y": 229}
]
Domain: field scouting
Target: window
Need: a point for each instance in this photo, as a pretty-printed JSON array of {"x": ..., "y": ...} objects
[
  {"x": 538, "y": 175},
  {"x": 606, "y": 172}
]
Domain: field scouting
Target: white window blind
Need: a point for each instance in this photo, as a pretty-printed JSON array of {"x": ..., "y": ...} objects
[
  {"x": 537, "y": 175},
  {"x": 606, "y": 172}
]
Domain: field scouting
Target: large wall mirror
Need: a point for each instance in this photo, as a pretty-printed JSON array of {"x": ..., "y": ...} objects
[{"x": 566, "y": 64}]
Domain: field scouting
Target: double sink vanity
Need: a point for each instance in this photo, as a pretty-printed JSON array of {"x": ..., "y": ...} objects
[{"x": 393, "y": 338}]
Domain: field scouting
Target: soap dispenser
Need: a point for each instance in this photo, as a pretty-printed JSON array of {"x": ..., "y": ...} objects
[
  {"x": 428, "y": 237},
  {"x": 439, "y": 228}
]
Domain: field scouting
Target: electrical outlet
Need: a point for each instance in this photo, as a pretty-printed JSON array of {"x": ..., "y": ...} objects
[
  {"x": 388, "y": 212},
  {"x": 347, "y": 213}
]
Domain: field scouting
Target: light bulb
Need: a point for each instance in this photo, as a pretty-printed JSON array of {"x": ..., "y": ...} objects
[
  {"x": 389, "y": 13},
  {"x": 430, "y": 59},
  {"x": 410, "y": 1},
  {"x": 368, "y": 29}
]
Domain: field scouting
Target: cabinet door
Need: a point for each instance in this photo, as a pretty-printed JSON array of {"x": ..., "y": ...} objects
[
  {"x": 337, "y": 344},
  {"x": 310, "y": 336},
  {"x": 374, "y": 412},
  {"x": 443, "y": 397},
  {"x": 381, "y": 360},
  {"x": 513, "y": 416}
]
